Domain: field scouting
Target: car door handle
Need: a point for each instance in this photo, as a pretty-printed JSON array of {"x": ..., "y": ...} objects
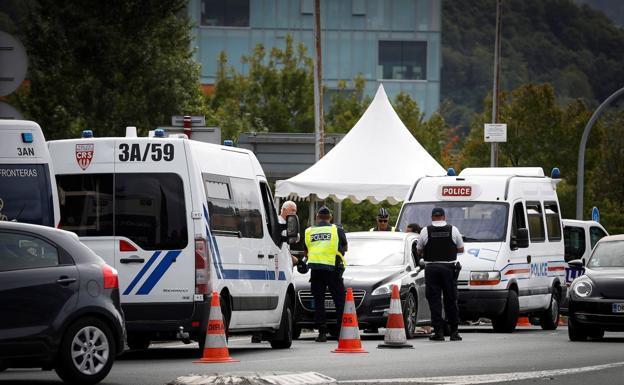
[
  {"x": 260, "y": 255},
  {"x": 65, "y": 280},
  {"x": 271, "y": 256},
  {"x": 133, "y": 259}
]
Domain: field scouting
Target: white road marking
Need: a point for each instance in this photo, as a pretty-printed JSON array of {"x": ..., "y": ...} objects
[{"x": 488, "y": 378}]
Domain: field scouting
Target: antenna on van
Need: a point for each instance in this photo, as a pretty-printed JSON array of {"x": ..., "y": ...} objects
[{"x": 131, "y": 132}]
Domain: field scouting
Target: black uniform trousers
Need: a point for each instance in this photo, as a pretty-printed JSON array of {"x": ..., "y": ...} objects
[
  {"x": 319, "y": 280},
  {"x": 440, "y": 281}
]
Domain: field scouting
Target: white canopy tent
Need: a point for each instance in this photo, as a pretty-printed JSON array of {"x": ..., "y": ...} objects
[{"x": 378, "y": 160}]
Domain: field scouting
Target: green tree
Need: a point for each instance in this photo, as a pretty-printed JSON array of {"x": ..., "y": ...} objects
[{"x": 107, "y": 65}]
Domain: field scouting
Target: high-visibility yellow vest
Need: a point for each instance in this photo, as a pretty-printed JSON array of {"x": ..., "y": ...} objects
[
  {"x": 322, "y": 244},
  {"x": 392, "y": 228}
]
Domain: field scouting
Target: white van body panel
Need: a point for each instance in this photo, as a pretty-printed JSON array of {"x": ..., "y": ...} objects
[
  {"x": 15, "y": 151},
  {"x": 252, "y": 270},
  {"x": 535, "y": 270}
]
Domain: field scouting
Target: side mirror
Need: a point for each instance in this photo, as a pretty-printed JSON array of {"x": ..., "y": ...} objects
[
  {"x": 576, "y": 263},
  {"x": 292, "y": 229},
  {"x": 522, "y": 238}
]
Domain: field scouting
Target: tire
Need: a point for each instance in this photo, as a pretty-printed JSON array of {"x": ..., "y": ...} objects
[
  {"x": 284, "y": 336},
  {"x": 92, "y": 343},
  {"x": 576, "y": 332},
  {"x": 296, "y": 332},
  {"x": 138, "y": 341},
  {"x": 549, "y": 318},
  {"x": 410, "y": 311},
  {"x": 506, "y": 322}
]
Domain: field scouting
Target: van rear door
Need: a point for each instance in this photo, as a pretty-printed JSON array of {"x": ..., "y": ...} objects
[{"x": 154, "y": 249}]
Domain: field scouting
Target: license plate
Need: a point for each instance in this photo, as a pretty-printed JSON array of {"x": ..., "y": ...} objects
[
  {"x": 618, "y": 307},
  {"x": 329, "y": 304}
]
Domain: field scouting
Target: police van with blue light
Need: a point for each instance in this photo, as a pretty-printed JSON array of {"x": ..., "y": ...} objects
[
  {"x": 179, "y": 219},
  {"x": 510, "y": 220},
  {"x": 27, "y": 184}
]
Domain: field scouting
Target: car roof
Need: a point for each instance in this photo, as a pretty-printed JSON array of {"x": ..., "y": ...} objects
[
  {"x": 608, "y": 238},
  {"x": 37, "y": 229}
]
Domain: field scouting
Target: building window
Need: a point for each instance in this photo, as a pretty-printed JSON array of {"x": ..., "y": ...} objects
[
  {"x": 225, "y": 13},
  {"x": 406, "y": 60}
]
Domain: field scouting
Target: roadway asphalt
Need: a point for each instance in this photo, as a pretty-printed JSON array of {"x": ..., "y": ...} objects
[{"x": 528, "y": 356}]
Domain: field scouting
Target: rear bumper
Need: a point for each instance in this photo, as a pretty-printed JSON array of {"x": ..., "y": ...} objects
[
  {"x": 474, "y": 304},
  {"x": 163, "y": 320}
]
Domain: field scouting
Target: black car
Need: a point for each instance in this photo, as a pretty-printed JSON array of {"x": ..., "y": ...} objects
[
  {"x": 375, "y": 262},
  {"x": 596, "y": 298},
  {"x": 59, "y": 304}
]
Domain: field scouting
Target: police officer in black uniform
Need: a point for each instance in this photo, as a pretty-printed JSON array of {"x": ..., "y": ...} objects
[{"x": 439, "y": 243}]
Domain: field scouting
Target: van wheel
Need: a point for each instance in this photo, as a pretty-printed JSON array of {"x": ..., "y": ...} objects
[
  {"x": 296, "y": 332},
  {"x": 506, "y": 322},
  {"x": 576, "y": 332},
  {"x": 409, "y": 316},
  {"x": 86, "y": 353},
  {"x": 284, "y": 336},
  {"x": 549, "y": 318},
  {"x": 138, "y": 341}
]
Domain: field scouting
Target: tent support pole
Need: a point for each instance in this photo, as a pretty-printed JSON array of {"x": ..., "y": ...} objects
[
  {"x": 338, "y": 212},
  {"x": 312, "y": 210}
]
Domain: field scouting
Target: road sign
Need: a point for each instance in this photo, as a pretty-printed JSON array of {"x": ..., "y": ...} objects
[
  {"x": 13, "y": 63},
  {"x": 495, "y": 132},
  {"x": 595, "y": 214}
]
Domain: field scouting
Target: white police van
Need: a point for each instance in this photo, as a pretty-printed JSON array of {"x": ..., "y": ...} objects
[
  {"x": 27, "y": 184},
  {"x": 513, "y": 262},
  {"x": 179, "y": 219}
]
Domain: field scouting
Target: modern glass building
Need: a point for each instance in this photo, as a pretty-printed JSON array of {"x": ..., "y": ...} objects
[{"x": 394, "y": 42}]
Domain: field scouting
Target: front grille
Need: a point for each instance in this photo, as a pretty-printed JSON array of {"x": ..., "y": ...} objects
[{"x": 307, "y": 300}]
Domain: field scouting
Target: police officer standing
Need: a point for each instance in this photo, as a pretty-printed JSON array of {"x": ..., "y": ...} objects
[
  {"x": 325, "y": 245},
  {"x": 382, "y": 221},
  {"x": 440, "y": 243}
]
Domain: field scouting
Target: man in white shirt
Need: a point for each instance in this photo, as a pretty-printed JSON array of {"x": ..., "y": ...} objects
[{"x": 288, "y": 208}]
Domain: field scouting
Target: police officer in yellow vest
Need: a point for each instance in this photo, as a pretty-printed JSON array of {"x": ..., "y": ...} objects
[
  {"x": 382, "y": 221},
  {"x": 325, "y": 245}
]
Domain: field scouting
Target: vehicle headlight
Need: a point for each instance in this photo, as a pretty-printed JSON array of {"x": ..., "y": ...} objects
[
  {"x": 582, "y": 288},
  {"x": 481, "y": 278},
  {"x": 387, "y": 288}
]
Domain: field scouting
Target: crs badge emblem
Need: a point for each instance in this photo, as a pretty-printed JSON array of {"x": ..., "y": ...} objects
[{"x": 84, "y": 154}]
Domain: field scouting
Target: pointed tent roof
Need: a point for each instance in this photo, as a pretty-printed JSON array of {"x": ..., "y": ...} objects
[{"x": 378, "y": 159}]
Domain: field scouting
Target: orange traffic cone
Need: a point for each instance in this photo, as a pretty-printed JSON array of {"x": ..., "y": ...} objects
[
  {"x": 563, "y": 321},
  {"x": 215, "y": 348},
  {"x": 523, "y": 321},
  {"x": 395, "y": 328},
  {"x": 349, "y": 341}
]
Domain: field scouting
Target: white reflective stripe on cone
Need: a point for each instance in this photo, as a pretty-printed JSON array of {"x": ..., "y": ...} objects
[
  {"x": 349, "y": 333},
  {"x": 395, "y": 336},
  {"x": 395, "y": 306},
  {"x": 215, "y": 341}
]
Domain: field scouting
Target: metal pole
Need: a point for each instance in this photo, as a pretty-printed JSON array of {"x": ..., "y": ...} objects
[
  {"x": 581, "y": 155},
  {"x": 495, "y": 86},
  {"x": 319, "y": 147}
]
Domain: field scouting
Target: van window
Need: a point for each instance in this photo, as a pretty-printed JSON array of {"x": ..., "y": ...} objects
[
  {"x": 25, "y": 194},
  {"x": 595, "y": 233},
  {"x": 234, "y": 206},
  {"x": 86, "y": 204},
  {"x": 574, "y": 241},
  {"x": 150, "y": 210},
  {"x": 536, "y": 222},
  {"x": 517, "y": 221},
  {"x": 271, "y": 214},
  {"x": 553, "y": 222}
]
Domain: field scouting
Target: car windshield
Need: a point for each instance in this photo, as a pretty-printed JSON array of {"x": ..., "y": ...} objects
[
  {"x": 476, "y": 221},
  {"x": 607, "y": 254},
  {"x": 375, "y": 252},
  {"x": 25, "y": 194}
]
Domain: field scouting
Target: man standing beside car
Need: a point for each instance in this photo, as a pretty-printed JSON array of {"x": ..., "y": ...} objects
[
  {"x": 325, "y": 245},
  {"x": 439, "y": 243}
]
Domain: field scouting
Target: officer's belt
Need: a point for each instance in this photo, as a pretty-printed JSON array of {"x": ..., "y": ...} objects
[{"x": 444, "y": 262}]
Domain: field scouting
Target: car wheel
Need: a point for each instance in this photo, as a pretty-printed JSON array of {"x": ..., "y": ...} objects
[
  {"x": 506, "y": 322},
  {"x": 138, "y": 341},
  {"x": 86, "y": 353},
  {"x": 409, "y": 316},
  {"x": 296, "y": 332},
  {"x": 575, "y": 331},
  {"x": 284, "y": 336},
  {"x": 549, "y": 318}
]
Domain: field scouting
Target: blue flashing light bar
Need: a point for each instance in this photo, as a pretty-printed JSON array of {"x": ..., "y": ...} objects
[{"x": 27, "y": 137}]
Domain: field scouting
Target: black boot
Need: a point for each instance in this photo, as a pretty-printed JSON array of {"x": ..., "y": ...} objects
[
  {"x": 455, "y": 334},
  {"x": 438, "y": 335},
  {"x": 322, "y": 336}
]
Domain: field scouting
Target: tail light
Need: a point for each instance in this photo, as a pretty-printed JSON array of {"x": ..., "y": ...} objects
[
  {"x": 111, "y": 279},
  {"x": 202, "y": 270}
]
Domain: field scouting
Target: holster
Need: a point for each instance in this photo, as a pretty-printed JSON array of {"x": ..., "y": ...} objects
[{"x": 456, "y": 269}]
